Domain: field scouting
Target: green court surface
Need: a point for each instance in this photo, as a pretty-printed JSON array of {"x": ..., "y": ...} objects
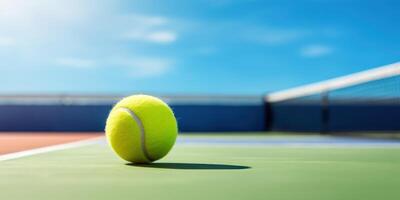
[{"x": 215, "y": 167}]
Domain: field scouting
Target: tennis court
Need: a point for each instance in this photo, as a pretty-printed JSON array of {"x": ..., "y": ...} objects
[
  {"x": 199, "y": 100},
  {"x": 217, "y": 166},
  {"x": 237, "y": 147}
]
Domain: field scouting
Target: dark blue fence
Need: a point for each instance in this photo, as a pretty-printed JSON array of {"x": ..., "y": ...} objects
[
  {"x": 220, "y": 117},
  {"x": 305, "y": 118},
  {"x": 361, "y": 117},
  {"x": 191, "y": 118},
  {"x": 214, "y": 117},
  {"x": 335, "y": 118},
  {"x": 53, "y": 117}
]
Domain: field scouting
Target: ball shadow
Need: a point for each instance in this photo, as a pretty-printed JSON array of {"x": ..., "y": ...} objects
[{"x": 190, "y": 166}]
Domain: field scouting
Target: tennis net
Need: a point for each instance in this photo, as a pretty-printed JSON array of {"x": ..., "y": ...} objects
[
  {"x": 364, "y": 101},
  {"x": 379, "y": 85}
]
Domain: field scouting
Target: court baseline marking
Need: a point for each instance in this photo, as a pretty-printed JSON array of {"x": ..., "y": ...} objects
[
  {"x": 71, "y": 145},
  {"x": 209, "y": 142}
]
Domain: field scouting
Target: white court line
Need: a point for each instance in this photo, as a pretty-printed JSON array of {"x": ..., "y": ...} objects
[
  {"x": 12, "y": 156},
  {"x": 290, "y": 145}
]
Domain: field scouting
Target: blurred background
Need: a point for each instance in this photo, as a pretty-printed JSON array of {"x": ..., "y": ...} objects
[
  {"x": 222, "y": 47},
  {"x": 65, "y": 63}
]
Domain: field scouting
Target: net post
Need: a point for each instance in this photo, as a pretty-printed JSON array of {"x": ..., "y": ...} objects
[
  {"x": 268, "y": 116},
  {"x": 324, "y": 112}
]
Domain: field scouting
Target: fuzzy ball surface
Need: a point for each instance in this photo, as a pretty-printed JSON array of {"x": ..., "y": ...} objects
[{"x": 141, "y": 129}]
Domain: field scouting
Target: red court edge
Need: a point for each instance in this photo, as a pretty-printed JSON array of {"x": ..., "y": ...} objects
[{"x": 11, "y": 142}]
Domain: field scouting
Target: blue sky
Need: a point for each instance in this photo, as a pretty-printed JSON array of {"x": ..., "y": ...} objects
[{"x": 245, "y": 47}]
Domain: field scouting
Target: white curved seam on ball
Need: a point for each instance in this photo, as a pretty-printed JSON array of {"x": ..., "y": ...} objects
[{"x": 142, "y": 132}]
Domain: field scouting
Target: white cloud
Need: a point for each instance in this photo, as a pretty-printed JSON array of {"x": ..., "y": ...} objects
[
  {"x": 137, "y": 67},
  {"x": 315, "y": 50},
  {"x": 154, "y": 29},
  {"x": 160, "y": 37},
  {"x": 142, "y": 67},
  {"x": 146, "y": 20},
  {"x": 76, "y": 63}
]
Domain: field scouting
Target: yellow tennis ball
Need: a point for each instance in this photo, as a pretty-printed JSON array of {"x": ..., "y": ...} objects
[{"x": 141, "y": 129}]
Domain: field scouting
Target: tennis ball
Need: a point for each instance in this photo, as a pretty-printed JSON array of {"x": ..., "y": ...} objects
[{"x": 141, "y": 129}]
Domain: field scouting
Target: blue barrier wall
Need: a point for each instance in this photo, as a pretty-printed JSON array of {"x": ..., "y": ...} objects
[
  {"x": 293, "y": 117},
  {"x": 335, "y": 118},
  {"x": 53, "y": 117},
  {"x": 220, "y": 117},
  {"x": 92, "y": 117},
  {"x": 364, "y": 117},
  {"x": 209, "y": 117}
]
